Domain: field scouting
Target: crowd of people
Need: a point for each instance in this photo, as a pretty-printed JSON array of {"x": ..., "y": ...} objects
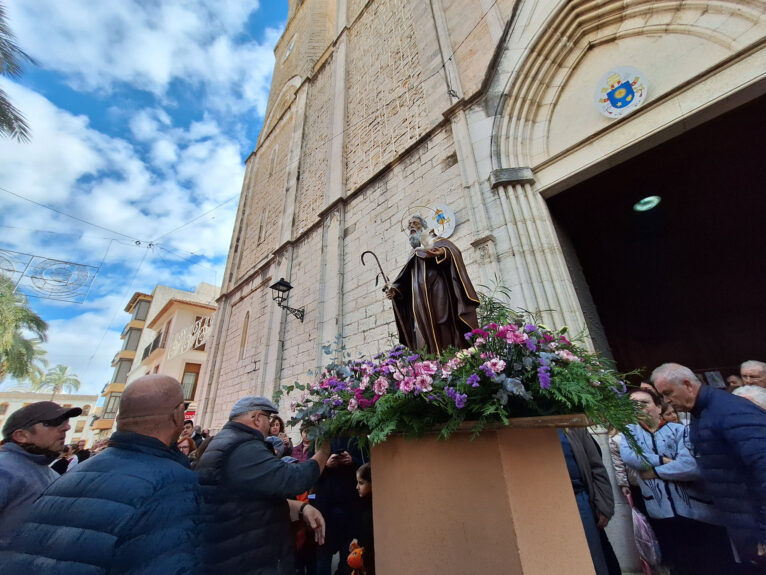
[
  {"x": 163, "y": 496},
  {"x": 166, "y": 497},
  {"x": 701, "y": 482}
]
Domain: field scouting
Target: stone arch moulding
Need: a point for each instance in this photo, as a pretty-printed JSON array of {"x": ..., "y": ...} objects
[
  {"x": 533, "y": 88},
  {"x": 281, "y": 105}
]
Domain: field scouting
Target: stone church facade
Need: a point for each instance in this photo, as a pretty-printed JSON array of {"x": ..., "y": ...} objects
[{"x": 379, "y": 108}]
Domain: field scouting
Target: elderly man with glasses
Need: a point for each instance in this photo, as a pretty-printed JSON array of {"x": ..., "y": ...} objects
[
  {"x": 249, "y": 495},
  {"x": 33, "y": 436}
]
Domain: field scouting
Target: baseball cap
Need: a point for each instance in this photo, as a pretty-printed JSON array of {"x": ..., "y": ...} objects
[
  {"x": 252, "y": 403},
  {"x": 36, "y": 413}
]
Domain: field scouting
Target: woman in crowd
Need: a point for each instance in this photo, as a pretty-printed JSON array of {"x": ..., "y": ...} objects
[
  {"x": 277, "y": 429},
  {"x": 187, "y": 446}
]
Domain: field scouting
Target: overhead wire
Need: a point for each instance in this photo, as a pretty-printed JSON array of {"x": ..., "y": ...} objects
[{"x": 31, "y": 201}]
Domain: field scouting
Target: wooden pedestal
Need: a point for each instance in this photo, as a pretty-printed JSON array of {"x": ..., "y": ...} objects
[{"x": 500, "y": 504}]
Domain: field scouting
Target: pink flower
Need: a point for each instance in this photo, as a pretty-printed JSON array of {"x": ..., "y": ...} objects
[
  {"x": 352, "y": 404},
  {"x": 365, "y": 382},
  {"x": 496, "y": 365},
  {"x": 407, "y": 384},
  {"x": 567, "y": 355},
  {"x": 423, "y": 382},
  {"x": 451, "y": 366},
  {"x": 426, "y": 368},
  {"x": 293, "y": 405},
  {"x": 516, "y": 337},
  {"x": 380, "y": 386}
]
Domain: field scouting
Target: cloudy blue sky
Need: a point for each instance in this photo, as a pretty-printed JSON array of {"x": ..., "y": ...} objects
[{"x": 142, "y": 113}]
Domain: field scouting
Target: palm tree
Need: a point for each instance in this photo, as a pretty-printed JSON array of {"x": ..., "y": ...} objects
[
  {"x": 18, "y": 352},
  {"x": 12, "y": 122},
  {"x": 57, "y": 379}
]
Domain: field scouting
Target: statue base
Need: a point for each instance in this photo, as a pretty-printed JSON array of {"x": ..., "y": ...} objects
[{"x": 500, "y": 504}]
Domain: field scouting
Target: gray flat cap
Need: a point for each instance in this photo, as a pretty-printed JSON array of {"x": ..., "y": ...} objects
[{"x": 252, "y": 403}]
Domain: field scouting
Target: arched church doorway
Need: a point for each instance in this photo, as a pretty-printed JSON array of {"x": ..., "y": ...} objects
[{"x": 684, "y": 281}]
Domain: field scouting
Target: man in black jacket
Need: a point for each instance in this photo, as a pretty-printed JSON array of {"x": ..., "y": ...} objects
[
  {"x": 728, "y": 435},
  {"x": 246, "y": 489}
]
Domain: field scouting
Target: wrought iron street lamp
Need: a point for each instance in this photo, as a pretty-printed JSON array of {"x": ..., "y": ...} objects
[{"x": 279, "y": 292}]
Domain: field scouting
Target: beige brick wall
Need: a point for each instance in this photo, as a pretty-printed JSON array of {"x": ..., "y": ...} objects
[
  {"x": 240, "y": 365},
  {"x": 386, "y": 109},
  {"x": 267, "y": 193},
  {"x": 354, "y": 8},
  {"x": 472, "y": 45},
  {"x": 314, "y": 161},
  {"x": 300, "y": 338},
  {"x": 310, "y": 31}
]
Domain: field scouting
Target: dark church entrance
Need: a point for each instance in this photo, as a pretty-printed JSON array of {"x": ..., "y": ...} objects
[{"x": 686, "y": 280}]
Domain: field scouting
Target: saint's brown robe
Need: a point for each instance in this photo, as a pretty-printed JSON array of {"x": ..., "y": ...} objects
[{"x": 435, "y": 304}]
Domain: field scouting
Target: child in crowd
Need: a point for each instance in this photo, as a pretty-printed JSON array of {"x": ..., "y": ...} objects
[{"x": 364, "y": 534}]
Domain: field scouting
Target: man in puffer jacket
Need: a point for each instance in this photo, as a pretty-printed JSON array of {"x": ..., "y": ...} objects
[
  {"x": 132, "y": 509},
  {"x": 246, "y": 490},
  {"x": 728, "y": 435}
]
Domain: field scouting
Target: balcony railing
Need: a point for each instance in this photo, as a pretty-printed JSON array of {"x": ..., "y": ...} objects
[{"x": 156, "y": 344}]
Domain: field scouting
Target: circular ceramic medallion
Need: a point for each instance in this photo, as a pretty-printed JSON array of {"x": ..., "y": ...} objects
[
  {"x": 442, "y": 220},
  {"x": 621, "y": 91}
]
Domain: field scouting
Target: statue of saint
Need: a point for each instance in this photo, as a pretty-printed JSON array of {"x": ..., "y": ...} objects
[{"x": 433, "y": 298}]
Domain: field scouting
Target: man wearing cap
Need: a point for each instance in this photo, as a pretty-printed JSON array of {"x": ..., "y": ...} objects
[
  {"x": 33, "y": 436},
  {"x": 133, "y": 509},
  {"x": 248, "y": 495}
]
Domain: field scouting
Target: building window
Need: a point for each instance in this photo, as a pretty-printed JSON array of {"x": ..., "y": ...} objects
[
  {"x": 85, "y": 410},
  {"x": 3, "y": 408},
  {"x": 132, "y": 341},
  {"x": 289, "y": 47},
  {"x": 112, "y": 405},
  {"x": 243, "y": 339},
  {"x": 273, "y": 161},
  {"x": 121, "y": 371},
  {"x": 189, "y": 380},
  {"x": 142, "y": 309},
  {"x": 79, "y": 426}
]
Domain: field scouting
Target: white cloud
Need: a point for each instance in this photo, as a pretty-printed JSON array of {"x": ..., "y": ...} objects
[
  {"x": 133, "y": 187},
  {"x": 156, "y": 175},
  {"x": 150, "y": 44}
]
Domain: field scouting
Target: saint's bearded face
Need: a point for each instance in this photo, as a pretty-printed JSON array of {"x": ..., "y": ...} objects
[{"x": 416, "y": 230}]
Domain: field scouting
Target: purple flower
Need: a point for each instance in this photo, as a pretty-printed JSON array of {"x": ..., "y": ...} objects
[
  {"x": 531, "y": 344},
  {"x": 468, "y": 336},
  {"x": 487, "y": 371},
  {"x": 413, "y": 357},
  {"x": 529, "y": 328},
  {"x": 460, "y": 400},
  {"x": 450, "y": 391},
  {"x": 544, "y": 375}
]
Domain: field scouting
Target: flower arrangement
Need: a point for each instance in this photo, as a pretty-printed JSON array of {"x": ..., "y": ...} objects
[{"x": 514, "y": 368}]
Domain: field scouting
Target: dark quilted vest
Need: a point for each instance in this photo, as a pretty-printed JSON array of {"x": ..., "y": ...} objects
[{"x": 242, "y": 534}]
